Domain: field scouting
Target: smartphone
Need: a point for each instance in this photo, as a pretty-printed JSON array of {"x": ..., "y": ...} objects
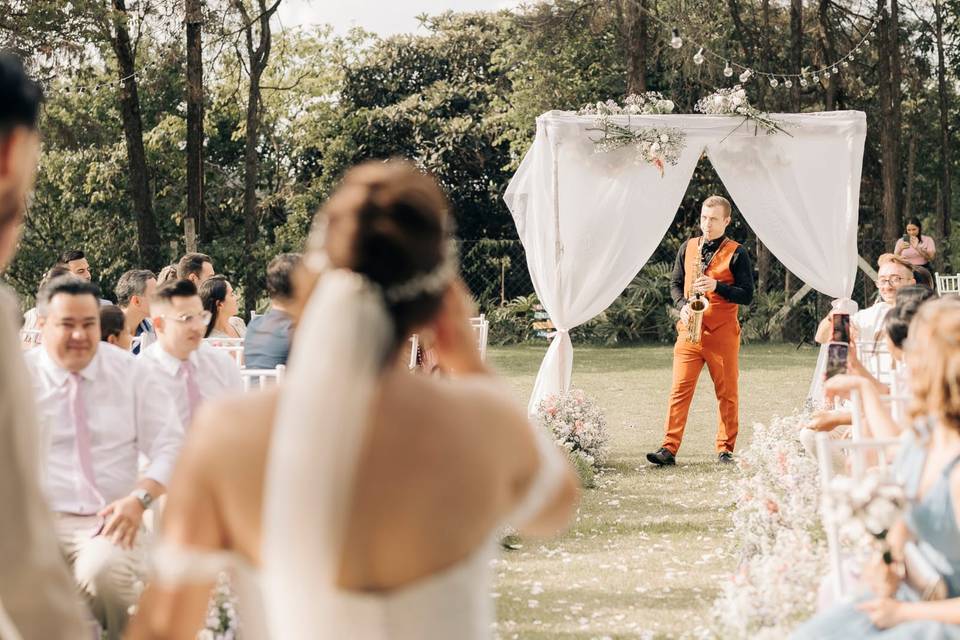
[
  {"x": 906, "y": 238},
  {"x": 841, "y": 327},
  {"x": 837, "y": 353}
]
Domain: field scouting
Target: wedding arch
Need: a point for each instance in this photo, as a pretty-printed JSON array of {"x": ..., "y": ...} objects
[{"x": 589, "y": 220}]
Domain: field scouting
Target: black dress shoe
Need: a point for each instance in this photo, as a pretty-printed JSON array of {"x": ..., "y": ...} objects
[
  {"x": 725, "y": 457},
  {"x": 662, "y": 457}
]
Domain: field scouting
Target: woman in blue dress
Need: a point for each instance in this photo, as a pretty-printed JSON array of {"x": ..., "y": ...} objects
[{"x": 929, "y": 466}]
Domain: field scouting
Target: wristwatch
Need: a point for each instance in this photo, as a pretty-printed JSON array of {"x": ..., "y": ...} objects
[{"x": 144, "y": 497}]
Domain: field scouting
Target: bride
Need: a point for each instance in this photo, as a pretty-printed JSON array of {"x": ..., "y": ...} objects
[{"x": 369, "y": 500}]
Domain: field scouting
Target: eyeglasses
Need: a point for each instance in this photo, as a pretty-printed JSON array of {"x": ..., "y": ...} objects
[
  {"x": 203, "y": 318},
  {"x": 891, "y": 281}
]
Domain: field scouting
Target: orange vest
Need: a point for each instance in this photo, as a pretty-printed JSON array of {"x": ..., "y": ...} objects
[{"x": 721, "y": 311}]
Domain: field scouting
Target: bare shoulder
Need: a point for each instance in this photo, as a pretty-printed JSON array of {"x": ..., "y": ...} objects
[{"x": 234, "y": 423}]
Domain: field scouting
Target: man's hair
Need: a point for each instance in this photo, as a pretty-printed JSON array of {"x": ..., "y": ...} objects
[
  {"x": 67, "y": 285},
  {"x": 167, "y": 274},
  {"x": 888, "y": 258},
  {"x": 174, "y": 289},
  {"x": 132, "y": 283},
  {"x": 111, "y": 321},
  {"x": 22, "y": 96},
  {"x": 71, "y": 255},
  {"x": 192, "y": 263},
  {"x": 897, "y": 321},
  {"x": 719, "y": 201},
  {"x": 279, "y": 272},
  {"x": 923, "y": 276}
]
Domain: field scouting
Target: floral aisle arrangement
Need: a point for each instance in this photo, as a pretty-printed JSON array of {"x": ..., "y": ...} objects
[
  {"x": 578, "y": 425},
  {"x": 864, "y": 511},
  {"x": 733, "y": 102},
  {"x": 221, "y": 623},
  {"x": 776, "y": 524},
  {"x": 657, "y": 146}
]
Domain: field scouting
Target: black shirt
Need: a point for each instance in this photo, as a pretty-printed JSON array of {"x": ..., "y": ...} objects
[{"x": 740, "y": 292}]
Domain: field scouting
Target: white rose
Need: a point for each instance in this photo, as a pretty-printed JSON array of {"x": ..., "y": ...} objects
[
  {"x": 664, "y": 138},
  {"x": 668, "y": 105},
  {"x": 655, "y": 147},
  {"x": 718, "y": 100},
  {"x": 741, "y": 94},
  {"x": 736, "y": 101}
]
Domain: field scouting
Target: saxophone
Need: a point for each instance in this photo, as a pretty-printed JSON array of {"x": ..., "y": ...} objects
[{"x": 698, "y": 303}]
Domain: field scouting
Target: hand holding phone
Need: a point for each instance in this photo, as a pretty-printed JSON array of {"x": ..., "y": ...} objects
[{"x": 841, "y": 327}]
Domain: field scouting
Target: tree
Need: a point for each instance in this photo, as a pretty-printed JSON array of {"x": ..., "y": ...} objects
[{"x": 194, "y": 21}]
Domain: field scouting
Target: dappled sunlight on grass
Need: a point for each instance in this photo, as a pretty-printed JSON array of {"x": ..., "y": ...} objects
[{"x": 649, "y": 550}]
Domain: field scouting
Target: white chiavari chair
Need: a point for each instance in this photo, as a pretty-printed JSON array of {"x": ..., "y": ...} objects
[
  {"x": 414, "y": 351},
  {"x": 947, "y": 283},
  {"x": 857, "y": 449},
  {"x": 875, "y": 356},
  {"x": 262, "y": 378},
  {"x": 231, "y": 346},
  {"x": 481, "y": 329}
]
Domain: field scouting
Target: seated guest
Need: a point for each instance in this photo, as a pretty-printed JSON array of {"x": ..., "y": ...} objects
[
  {"x": 77, "y": 263},
  {"x": 134, "y": 290},
  {"x": 218, "y": 298},
  {"x": 267, "y": 342},
  {"x": 190, "y": 371},
  {"x": 112, "y": 327},
  {"x": 195, "y": 267},
  {"x": 101, "y": 408},
  {"x": 893, "y": 607},
  {"x": 31, "y": 319}
]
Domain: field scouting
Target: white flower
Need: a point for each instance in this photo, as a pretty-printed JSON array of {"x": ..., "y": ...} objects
[
  {"x": 735, "y": 101},
  {"x": 654, "y": 147},
  {"x": 668, "y": 105},
  {"x": 718, "y": 100},
  {"x": 664, "y": 138},
  {"x": 740, "y": 94}
]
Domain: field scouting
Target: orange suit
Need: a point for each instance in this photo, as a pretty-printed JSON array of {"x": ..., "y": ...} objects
[{"x": 719, "y": 349}]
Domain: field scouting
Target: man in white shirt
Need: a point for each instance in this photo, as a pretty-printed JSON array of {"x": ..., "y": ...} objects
[
  {"x": 867, "y": 324},
  {"x": 188, "y": 370},
  {"x": 99, "y": 408},
  {"x": 134, "y": 290}
]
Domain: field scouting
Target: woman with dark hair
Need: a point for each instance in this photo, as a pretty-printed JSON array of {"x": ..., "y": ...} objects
[
  {"x": 361, "y": 501},
  {"x": 218, "y": 298},
  {"x": 914, "y": 247}
]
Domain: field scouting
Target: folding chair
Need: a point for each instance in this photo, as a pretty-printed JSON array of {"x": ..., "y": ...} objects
[
  {"x": 947, "y": 284},
  {"x": 263, "y": 377}
]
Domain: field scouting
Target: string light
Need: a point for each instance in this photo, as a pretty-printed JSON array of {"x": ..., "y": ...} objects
[
  {"x": 676, "y": 41},
  {"x": 728, "y": 70},
  {"x": 698, "y": 57},
  {"x": 745, "y": 75}
]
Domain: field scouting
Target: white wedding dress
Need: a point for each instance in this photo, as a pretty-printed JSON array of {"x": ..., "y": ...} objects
[{"x": 342, "y": 343}]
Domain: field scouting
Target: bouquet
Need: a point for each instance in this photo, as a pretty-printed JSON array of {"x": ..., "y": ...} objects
[
  {"x": 865, "y": 511},
  {"x": 654, "y": 145},
  {"x": 734, "y": 102},
  {"x": 578, "y": 425}
]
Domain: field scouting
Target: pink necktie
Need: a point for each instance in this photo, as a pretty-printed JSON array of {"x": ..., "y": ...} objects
[
  {"x": 188, "y": 371},
  {"x": 83, "y": 443}
]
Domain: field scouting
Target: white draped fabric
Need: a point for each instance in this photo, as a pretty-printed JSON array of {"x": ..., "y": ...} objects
[{"x": 589, "y": 221}]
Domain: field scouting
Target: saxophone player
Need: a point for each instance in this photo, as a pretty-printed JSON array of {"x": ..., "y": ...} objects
[{"x": 719, "y": 269}]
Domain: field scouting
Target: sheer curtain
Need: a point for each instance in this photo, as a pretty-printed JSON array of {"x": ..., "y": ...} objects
[{"x": 590, "y": 221}]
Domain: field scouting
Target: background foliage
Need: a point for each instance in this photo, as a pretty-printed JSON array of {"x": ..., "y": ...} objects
[{"x": 460, "y": 98}]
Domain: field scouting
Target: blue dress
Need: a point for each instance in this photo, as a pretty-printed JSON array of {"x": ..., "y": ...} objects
[{"x": 934, "y": 525}]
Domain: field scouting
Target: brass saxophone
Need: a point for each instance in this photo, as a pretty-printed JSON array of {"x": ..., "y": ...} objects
[{"x": 698, "y": 304}]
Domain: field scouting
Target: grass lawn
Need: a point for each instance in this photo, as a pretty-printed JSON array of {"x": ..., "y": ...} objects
[{"x": 648, "y": 550}]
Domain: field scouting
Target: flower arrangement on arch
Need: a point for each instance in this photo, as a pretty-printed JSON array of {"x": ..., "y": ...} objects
[
  {"x": 734, "y": 102},
  {"x": 578, "y": 425},
  {"x": 657, "y": 146}
]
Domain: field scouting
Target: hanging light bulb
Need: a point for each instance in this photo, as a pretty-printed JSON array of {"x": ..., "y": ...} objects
[
  {"x": 698, "y": 57},
  {"x": 676, "y": 41},
  {"x": 728, "y": 70},
  {"x": 745, "y": 75},
  {"x": 846, "y": 64},
  {"x": 788, "y": 83},
  {"x": 816, "y": 78},
  {"x": 803, "y": 82},
  {"x": 826, "y": 74},
  {"x": 774, "y": 83}
]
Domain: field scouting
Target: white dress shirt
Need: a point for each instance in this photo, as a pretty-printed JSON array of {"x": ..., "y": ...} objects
[
  {"x": 216, "y": 374},
  {"x": 128, "y": 413},
  {"x": 869, "y": 322}
]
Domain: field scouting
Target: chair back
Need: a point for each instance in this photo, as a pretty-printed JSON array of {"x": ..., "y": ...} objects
[
  {"x": 947, "y": 283},
  {"x": 876, "y": 357},
  {"x": 481, "y": 330},
  {"x": 232, "y": 346},
  {"x": 857, "y": 448},
  {"x": 262, "y": 378}
]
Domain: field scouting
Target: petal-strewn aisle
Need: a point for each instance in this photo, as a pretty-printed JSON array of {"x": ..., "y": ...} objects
[{"x": 650, "y": 548}]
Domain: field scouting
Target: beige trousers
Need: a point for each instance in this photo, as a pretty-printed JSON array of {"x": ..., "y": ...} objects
[{"x": 109, "y": 576}]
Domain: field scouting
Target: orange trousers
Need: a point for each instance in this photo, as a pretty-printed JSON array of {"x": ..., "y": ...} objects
[{"x": 720, "y": 351}]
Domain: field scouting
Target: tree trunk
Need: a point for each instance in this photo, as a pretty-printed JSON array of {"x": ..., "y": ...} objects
[
  {"x": 829, "y": 53},
  {"x": 943, "y": 218},
  {"x": 258, "y": 54},
  {"x": 911, "y": 174},
  {"x": 148, "y": 236},
  {"x": 763, "y": 267},
  {"x": 889, "y": 94},
  {"x": 635, "y": 44},
  {"x": 194, "y": 19}
]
